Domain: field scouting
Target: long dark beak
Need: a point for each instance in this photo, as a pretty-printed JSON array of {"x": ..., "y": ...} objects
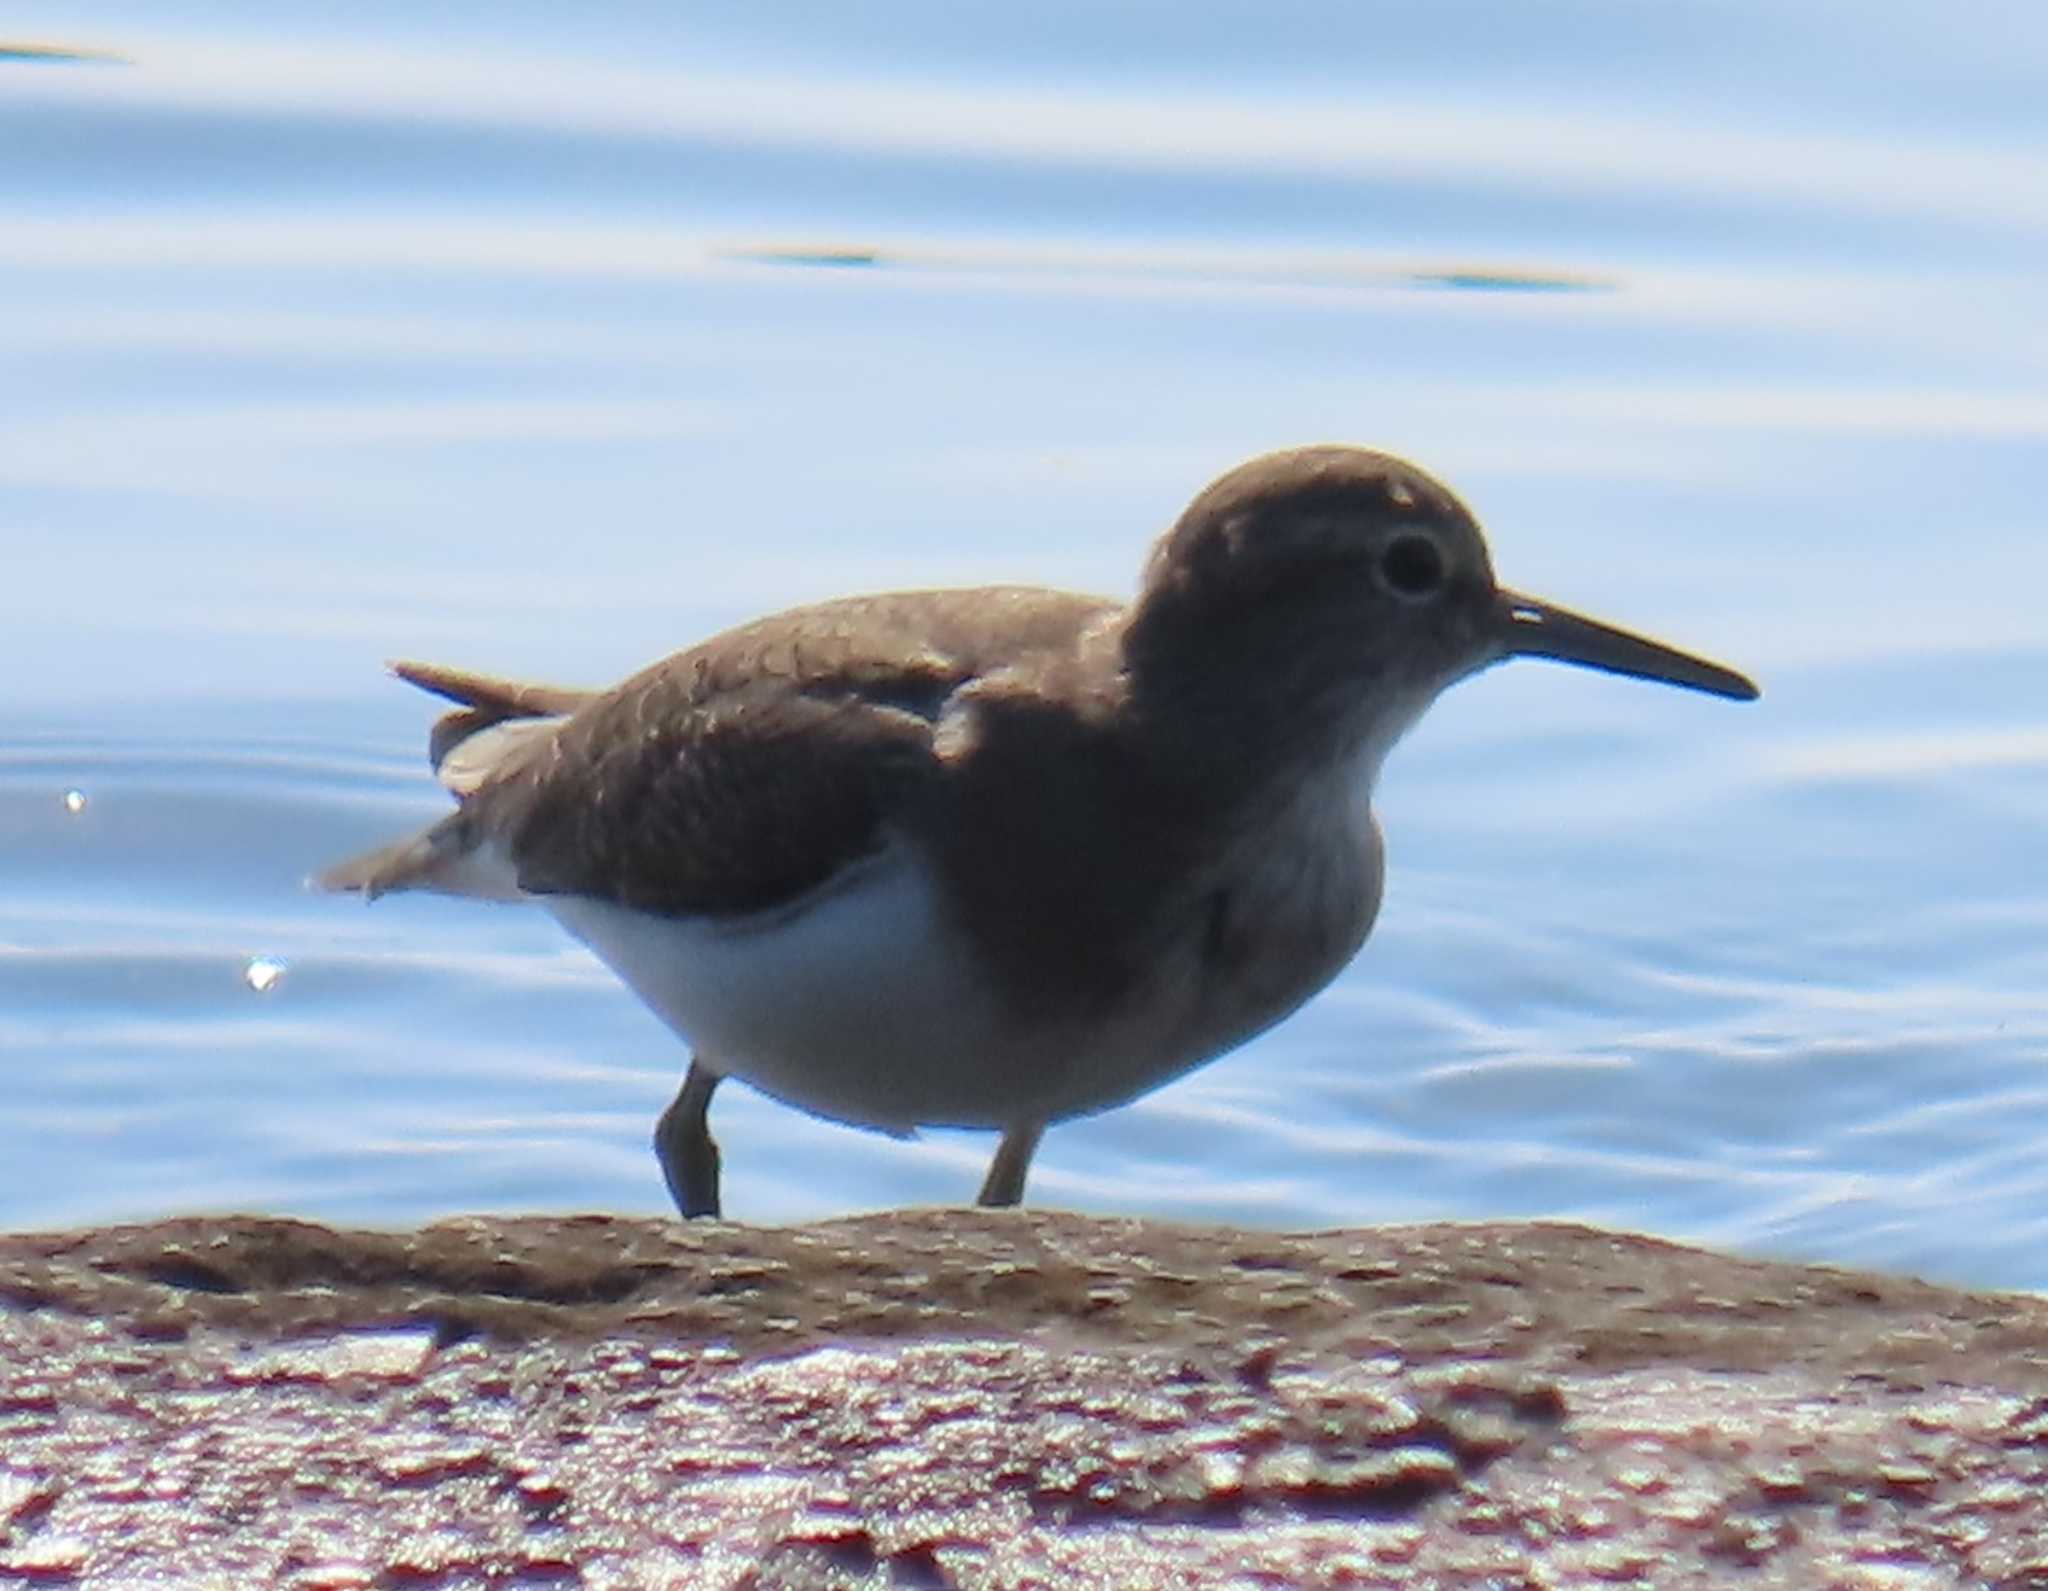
[{"x": 1529, "y": 628}]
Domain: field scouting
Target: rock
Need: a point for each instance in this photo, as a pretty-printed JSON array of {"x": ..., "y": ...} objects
[{"x": 1000, "y": 1398}]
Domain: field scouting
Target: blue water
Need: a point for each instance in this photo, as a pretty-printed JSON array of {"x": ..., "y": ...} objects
[{"x": 545, "y": 340}]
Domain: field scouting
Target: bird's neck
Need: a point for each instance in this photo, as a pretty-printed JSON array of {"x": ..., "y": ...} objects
[{"x": 1247, "y": 711}]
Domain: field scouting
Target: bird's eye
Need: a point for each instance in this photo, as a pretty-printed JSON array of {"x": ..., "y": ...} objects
[{"x": 1412, "y": 566}]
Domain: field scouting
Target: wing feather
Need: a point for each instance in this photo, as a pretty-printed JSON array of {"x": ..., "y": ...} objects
[
  {"x": 733, "y": 778},
  {"x": 742, "y": 774}
]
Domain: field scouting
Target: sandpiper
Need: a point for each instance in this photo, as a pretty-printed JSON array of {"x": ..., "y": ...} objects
[{"x": 998, "y": 857}]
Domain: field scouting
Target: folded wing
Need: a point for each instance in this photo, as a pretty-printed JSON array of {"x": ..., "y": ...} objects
[{"x": 734, "y": 778}]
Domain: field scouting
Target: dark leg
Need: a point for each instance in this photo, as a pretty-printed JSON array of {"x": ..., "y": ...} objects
[
  {"x": 1005, "y": 1182},
  {"x": 682, "y": 1143}
]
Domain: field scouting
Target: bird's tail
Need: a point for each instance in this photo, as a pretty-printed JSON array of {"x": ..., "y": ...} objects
[
  {"x": 496, "y": 717},
  {"x": 437, "y": 858},
  {"x": 497, "y": 720}
]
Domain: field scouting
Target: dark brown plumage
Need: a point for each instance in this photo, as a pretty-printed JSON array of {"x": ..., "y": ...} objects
[{"x": 1111, "y": 840}]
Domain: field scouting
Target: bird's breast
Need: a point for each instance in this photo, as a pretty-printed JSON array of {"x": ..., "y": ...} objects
[{"x": 1289, "y": 905}]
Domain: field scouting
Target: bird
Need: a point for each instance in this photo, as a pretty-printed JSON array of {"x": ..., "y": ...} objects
[{"x": 1005, "y": 856}]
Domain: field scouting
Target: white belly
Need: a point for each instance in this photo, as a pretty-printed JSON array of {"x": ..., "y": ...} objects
[{"x": 867, "y": 1007}]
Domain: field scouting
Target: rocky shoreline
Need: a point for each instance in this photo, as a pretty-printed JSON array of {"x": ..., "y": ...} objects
[{"x": 1000, "y": 1398}]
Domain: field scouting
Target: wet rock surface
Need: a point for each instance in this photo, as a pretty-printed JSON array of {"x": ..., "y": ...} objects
[{"x": 973, "y": 1398}]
